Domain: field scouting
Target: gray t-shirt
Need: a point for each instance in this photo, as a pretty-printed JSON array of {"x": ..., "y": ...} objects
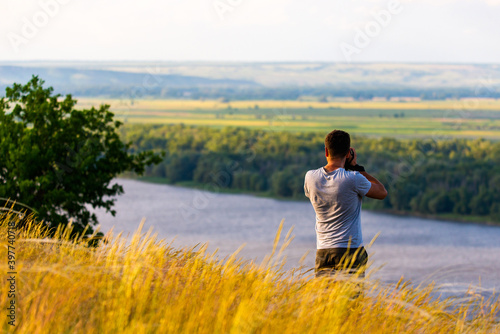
[{"x": 336, "y": 198}]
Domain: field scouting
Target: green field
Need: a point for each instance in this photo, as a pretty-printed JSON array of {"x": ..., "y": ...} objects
[{"x": 472, "y": 118}]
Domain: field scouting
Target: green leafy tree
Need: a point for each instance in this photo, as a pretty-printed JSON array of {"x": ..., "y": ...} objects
[
  {"x": 441, "y": 203},
  {"x": 59, "y": 160}
]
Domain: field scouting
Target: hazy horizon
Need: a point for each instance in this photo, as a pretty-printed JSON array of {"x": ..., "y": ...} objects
[{"x": 200, "y": 61}]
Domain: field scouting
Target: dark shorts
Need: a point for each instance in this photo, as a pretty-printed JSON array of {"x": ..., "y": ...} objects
[{"x": 347, "y": 260}]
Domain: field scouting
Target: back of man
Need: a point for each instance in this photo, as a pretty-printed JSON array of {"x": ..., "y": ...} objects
[{"x": 336, "y": 196}]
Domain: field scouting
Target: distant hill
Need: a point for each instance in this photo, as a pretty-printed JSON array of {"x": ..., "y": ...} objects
[
  {"x": 241, "y": 80},
  {"x": 81, "y": 81}
]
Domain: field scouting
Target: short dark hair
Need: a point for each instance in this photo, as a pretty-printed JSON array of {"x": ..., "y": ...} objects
[{"x": 338, "y": 143}]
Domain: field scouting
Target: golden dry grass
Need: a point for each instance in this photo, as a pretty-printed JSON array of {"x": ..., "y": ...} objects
[{"x": 144, "y": 285}]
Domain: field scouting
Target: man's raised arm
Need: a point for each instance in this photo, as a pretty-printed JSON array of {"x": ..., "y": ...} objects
[{"x": 377, "y": 189}]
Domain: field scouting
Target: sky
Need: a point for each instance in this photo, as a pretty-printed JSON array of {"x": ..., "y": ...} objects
[{"x": 444, "y": 31}]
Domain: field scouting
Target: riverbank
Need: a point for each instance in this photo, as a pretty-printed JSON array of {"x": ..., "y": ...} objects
[{"x": 452, "y": 217}]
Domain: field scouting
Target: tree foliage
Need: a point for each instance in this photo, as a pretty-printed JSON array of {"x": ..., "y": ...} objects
[{"x": 60, "y": 160}]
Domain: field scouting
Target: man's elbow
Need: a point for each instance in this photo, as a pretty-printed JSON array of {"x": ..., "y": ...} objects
[
  {"x": 378, "y": 193},
  {"x": 382, "y": 192},
  {"x": 380, "y": 196}
]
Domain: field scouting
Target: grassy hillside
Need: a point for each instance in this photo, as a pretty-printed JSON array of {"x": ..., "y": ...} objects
[{"x": 147, "y": 286}]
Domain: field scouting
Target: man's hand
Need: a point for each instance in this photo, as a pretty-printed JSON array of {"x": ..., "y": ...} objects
[
  {"x": 353, "y": 156},
  {"x": 377, "y": 189},
  {"x": 351, "y": 159}
]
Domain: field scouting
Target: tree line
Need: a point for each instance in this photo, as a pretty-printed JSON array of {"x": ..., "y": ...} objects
[{"x": 423, "y": 176}]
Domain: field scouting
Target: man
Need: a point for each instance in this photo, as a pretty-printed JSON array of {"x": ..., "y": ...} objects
[{"x": 335, "y": 192}]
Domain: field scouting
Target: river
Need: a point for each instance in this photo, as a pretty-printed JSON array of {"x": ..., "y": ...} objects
[{"x": 454, "y": 255}]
